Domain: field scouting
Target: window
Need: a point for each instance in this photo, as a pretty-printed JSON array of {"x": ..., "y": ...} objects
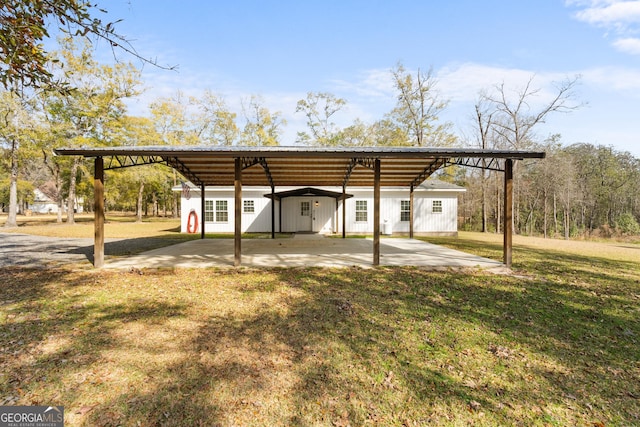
[
  {"x": 208, "y": 210},
  {"x": 222, "y": 215},
  {"x": 248, "y": 206},
  {"x": 405, "y": 210},
  {"x": 219, "y": 214},
  {"x": 361, "y": 211},
  {"x": 305, "y": 208},
  {"x": 436, "y": 206}
]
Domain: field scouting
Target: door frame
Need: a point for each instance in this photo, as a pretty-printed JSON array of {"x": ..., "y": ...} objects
[{"x": 302, "y": 224}]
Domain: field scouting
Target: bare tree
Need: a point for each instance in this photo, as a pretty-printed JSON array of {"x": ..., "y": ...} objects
[
  {"x": 262, "y": 128},
  {"x": 418, "y": 108},
  {"x": 514, "y": 116},
  {"x": 484, "y": 120},
  {"x": 319, "y": 108},
  {"x": 214, "y": 123}
]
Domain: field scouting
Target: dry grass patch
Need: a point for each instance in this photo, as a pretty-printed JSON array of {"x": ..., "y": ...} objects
[
  {"x": 335, "y": 347},
  {"x": 116, "y": 226}
]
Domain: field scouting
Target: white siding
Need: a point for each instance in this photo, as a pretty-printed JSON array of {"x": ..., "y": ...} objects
[
  {"x": 322, "y": 215},
  {"x": 325, "y": 219},
  {"x": 259, "y": 221}
]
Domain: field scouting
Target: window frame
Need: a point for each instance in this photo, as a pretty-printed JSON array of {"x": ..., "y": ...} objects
[
  {"x": 305, "y": 208},
  {"x": 436, "y": 206},
  {"x": 248, "y": 204},
  {"x": 359, "y": 211},
  {"x": 405, "y": 210},
  {"x": 222, "y": 213},
  {"x": 209, "y": 212}
]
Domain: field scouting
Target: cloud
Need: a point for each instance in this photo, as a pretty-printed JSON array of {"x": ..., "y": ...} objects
[
  {"x": 626, "y": 81},
  {"x": 610, "y": 13},
  {"x": 629, "y": 45},
  {"x": 374, "y": 83},
  {"x": 621, "y": 17},
  {"x": 464, "y": 82}
]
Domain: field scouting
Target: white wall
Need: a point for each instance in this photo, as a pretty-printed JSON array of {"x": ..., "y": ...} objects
[
  {"x": 425, "y": 221},
  {"x": 322, "y": 215},
  {"x": 259, "y": 221},
  {"x": 325, "y": 217}
]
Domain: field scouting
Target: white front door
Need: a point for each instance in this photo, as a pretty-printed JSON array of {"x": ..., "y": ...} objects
[{"x": 304, "y": 215}]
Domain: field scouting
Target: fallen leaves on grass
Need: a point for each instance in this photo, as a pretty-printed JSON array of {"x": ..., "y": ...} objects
[{"x": 316, "y": 347}]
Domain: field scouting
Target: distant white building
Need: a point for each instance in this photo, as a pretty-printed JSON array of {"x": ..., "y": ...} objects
[
  {"x": 319, "y": 210},
  {"x": 44, "y": 203}
]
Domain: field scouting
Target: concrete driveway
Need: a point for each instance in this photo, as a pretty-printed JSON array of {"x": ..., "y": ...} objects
[{"x": 303, "y": 250}]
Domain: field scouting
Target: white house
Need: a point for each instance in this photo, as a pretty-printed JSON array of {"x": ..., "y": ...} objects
[
  {"x": 319, "y": 210},
  {"x": 44, "y": 202}
]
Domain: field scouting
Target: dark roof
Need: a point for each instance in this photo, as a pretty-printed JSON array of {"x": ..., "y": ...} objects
[
  {"x": 308, "y": 191},
  {"x": 436, "y": 184},
  {"x": 302, "y": 166}
]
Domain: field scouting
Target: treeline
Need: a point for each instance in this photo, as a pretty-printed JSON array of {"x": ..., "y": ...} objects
[
  {"x": 577, "y": 189},
  {"x": 580, "y": 190}
]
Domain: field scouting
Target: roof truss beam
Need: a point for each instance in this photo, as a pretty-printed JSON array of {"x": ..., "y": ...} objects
[
  {"x": 435, "y": 164},
  {"x": 178, "y": 165},
  {"x": 247, "y": 162},
  {"x": 117, "y": 161},
  {"x": 491, "y": 163},
  {"x": 127, "y": 161},
  {"x": 367, "y": 162}
]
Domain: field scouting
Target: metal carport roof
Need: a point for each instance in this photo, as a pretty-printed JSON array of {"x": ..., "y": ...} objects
[{"x": 302, "y": 166}]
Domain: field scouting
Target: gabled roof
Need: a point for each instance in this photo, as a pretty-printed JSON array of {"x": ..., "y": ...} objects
[
  {"x": 436, "y": 184},
  {"x": 308, "y": 191}
]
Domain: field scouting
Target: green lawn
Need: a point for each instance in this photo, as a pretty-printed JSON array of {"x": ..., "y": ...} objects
[{"x": 555, "y": 343}]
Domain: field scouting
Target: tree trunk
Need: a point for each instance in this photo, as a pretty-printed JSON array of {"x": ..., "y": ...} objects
[
  {"x": 139, "y": 204},
  {"x": 60, "y": 208},
  {"x": 555, "y": 214},
  {"x": 59, "y": 198},
  {"x": 174, "y": 208},
  {"x": 484, "y": 197},
  {"x": 546, "y": 212},
  {"x": 12, "y": 219},
  {"x": 154, "y": 207},
  {"x": 72, "y": 191},
  {"x": 498, "y": 211}
]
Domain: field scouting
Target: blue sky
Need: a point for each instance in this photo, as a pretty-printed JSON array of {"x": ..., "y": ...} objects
[{"x": 282, "y": 50}]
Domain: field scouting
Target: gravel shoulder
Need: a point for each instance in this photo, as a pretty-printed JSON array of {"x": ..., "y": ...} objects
[{"x": 31, "y": 251}]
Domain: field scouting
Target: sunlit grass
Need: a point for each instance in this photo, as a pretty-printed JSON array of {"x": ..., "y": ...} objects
[
  {"x": 556, "y": 343},
  {"x": 118, "y": 226}
]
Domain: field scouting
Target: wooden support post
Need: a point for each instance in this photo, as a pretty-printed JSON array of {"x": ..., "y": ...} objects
[
  {"x": 280, "y": 215},
  {"x": 273, "y": 212},
  {"x": 507, "y": 227},
  {"x": 238, "y": 214},
  {"x": 202, "y": 207},
  {"x": 344, "y": 211},
  {"x": 376, "y": 212},
  {"x": 98, "y": 194},
  {"x": 411, "y": 212},
  {"x": 335, "y": 215}
]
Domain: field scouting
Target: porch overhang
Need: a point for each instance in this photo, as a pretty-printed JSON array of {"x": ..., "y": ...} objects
[{"x": 307, "y": 191}]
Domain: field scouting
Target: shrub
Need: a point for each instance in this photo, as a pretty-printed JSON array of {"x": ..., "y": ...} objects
[{"x": 627, "y": 224}]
